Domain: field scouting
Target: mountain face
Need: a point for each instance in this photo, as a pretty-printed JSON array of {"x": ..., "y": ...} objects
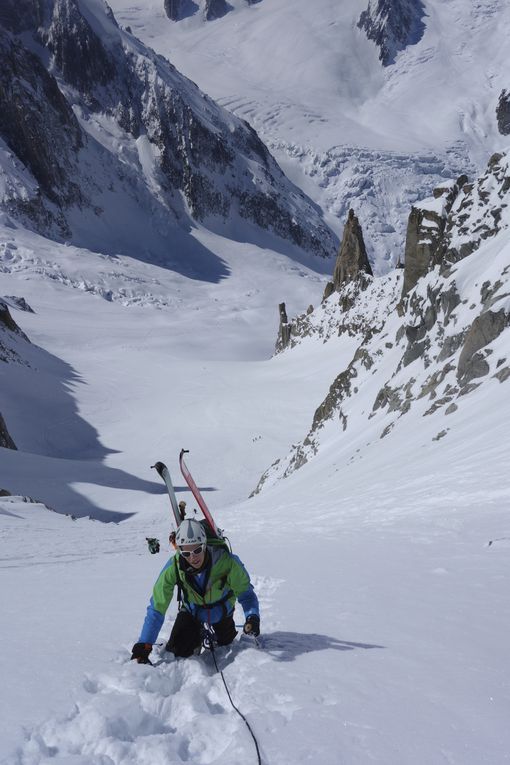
[
  {"x": 425, "y": 337},
  {"x": 93, "y": 122},
  {"x": 393, "y": 25},
  {"x": 40, "y": 128}
]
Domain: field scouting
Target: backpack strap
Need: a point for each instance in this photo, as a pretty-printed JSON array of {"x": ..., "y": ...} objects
[{"x": 180, "y": 589}]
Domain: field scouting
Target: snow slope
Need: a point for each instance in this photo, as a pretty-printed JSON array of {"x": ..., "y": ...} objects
[
  {"x": 383, "y": 604},
  {"x": 381, "y": 565}
]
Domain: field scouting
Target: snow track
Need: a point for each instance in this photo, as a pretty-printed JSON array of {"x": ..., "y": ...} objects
[{"x": 175, "y": 712}]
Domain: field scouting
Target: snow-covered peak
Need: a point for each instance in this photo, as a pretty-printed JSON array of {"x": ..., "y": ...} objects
[{"x": 120, "y": 123}]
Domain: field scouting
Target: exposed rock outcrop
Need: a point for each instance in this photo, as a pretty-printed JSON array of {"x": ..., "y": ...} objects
[
  {"x": 173, "y": 9},
  {"x": 284, "y": 330},
  {"x": 393, "y": 25},
  {"x": 8, "y": 322},
  {"x": 503, "y": 113},
  {"x": 5, "y": 439},
  {"x": 211, "y": 9},
  {"x": 352, "y": 261},
  {"x": 19, "y": 302},
  {"x": 451, "y": 225},
  {"x": 478, "y": 211},
  {"x": 215, "y": 9},
  {"x": 484, "y": 329},
  {"x": 426, "y": 231},
  {"x": 10, "y": 335}
]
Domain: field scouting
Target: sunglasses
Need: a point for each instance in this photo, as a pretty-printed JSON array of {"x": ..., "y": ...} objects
[{"x": 188, "y": 553}]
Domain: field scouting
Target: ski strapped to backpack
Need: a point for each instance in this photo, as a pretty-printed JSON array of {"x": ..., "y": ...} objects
[
  {"x": 164, "y": 472},
  {"x": 196, "y": 493}
]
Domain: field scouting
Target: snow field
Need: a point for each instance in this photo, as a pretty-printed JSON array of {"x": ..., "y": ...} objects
[{"x": 383, "y": 605}]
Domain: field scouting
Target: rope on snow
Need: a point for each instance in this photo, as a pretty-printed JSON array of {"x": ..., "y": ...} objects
[{"x": 208, "y": 643}]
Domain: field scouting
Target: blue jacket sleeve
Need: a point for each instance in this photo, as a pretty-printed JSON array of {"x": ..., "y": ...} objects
[
  {"x": 154, "y": 618},
  {"x": 249, "y": 602},
  {"x": 248, "y": 599},
  {"x": 152, "y": 625}
]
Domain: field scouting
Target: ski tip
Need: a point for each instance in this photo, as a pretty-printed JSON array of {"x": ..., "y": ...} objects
[{"x": 159, "y": 467}]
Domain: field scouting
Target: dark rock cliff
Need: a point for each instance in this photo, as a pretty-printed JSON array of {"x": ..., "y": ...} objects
[
  {"x": 393, "y": 25},
  {"x": 9, "y": 330},
  {"x": 215, "y": 9},
  {"x": 5, "y": 439},
  {"x": 503, "y": 113}
]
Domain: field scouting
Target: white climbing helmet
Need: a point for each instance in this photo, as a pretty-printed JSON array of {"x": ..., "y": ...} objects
[{"x": 190, "y": 533}]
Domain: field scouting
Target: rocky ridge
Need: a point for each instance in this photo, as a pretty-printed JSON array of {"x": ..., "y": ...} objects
[
  {"x": 424, "y": 347},
  {"x": 89, "y": 115}
]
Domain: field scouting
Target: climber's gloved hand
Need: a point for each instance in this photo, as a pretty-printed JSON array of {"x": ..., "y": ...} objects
[
  {"x": 140, "y": 652},
  {"x": 252, "y": 626}
]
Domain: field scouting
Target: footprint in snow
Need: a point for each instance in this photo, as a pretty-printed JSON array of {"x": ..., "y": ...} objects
[
  {"x": 146, "y": 715},
  {"x": 143, "y": 715}
]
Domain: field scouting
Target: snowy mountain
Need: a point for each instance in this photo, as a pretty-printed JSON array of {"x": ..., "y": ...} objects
[
  {"x": 106, "y": 144},
  {"x": 378, "y": 543},
  {"x": 350, "y": 131}
]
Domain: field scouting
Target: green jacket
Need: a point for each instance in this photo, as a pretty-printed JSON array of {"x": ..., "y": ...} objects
[{"x": 209, "y": 595}]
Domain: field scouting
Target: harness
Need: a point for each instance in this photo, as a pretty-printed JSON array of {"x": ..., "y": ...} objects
[{"x": 182, "y": 595}]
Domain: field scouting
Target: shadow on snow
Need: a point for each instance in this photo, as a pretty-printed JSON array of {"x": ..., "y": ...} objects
[
  {"x": 287, "y": 646},
  {"x": 57, "y": 448}
]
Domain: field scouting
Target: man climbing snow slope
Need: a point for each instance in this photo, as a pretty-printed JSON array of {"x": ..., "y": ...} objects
[{"x": 209, "y": 579}]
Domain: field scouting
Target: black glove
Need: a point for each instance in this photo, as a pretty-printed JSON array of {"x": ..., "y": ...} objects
[
  {"x": 252, "y": 626},
  {"x": 141, "y": 652}
]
